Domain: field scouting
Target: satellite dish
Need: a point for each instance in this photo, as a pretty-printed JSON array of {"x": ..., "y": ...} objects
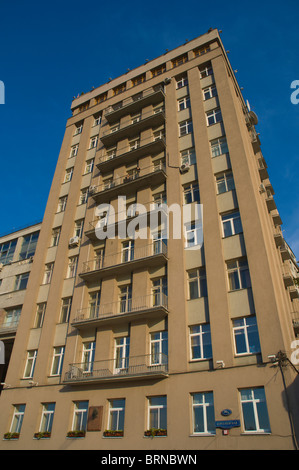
[{"x": 253, "y": 118}]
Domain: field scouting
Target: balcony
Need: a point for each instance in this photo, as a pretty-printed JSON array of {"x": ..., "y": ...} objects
[
  {"x": 276, "y": 218},
  {"x": 128, "y": 368},
  {"x": 135, "y": 103},
  {"x": 152, "y": 175},
  {"x": 271, "y": 205},
  {"x": 262, "y": 167},
  {"x": 9, "y": 328},
  {"x": 131, "y": 127},
  {"x": 122, "y": 218},
  {"x": 154, "y": 254},
  {"x": 149, "y": 306},
  {"x": 148, "y": 146},
  {"x": 278, "y": 237}
]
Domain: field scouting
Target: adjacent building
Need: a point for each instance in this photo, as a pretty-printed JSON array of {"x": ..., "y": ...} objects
[{"x": 158, "y": 341}]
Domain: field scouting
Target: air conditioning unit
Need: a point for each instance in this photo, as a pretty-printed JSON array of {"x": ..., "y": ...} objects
[
  {"x": 262, "y": 188},
  {"x": 74, "y": 241},
  {"x": 184, "y": 168},
  {"x": 167, "y": 80}
]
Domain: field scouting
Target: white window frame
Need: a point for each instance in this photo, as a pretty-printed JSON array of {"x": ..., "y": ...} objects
[
  {"x": 254, "y": 401},
  {"x": 118, "y": 410},
  {"x": 219, "y": 147},
  {"x": 65, "y": 310},
  {"x": 181, "y": 82},
  {"x": 62, "y": 204},
  {"x": 191, "y": 189},
  {"x": 88, "y": 353},
  {"x": 230, "y": 219},
  {"x": 213, "y": 116},
  {"x": 78, "y": 230},
  {"x": 72, "y": 266},
  {"x": 236, "y": 267},
  {"x": 74, "y": 151},
  {"x": 227, "y": 179},
  {"x": 125, "y": 298},
  {"x": 40, "y": 314},
  {"x": 158, "y": 345},
  {"x": 48, "y": 273},
  {"x": 206, "y": 71},
  {"x": 57, "y": 360},
  {"x": 47, "y": 417},
  {"x": 89, "y": 164},
  {"x": 93, "y": 142},
  {"x": 121, "y": 353},
  {"x": 185, "y": 127},
  {"x": 81, "y": 415},
  {"x": 55, "y": 236},
  {"x": 30, "y": 364},
  {"x": 188, "y": 156},
  {"x": 184, "y": 103},
  {"x": 78, "y": 129},
  {"x": 158, "y": 408},
  {"x": 83, "y": 196},
  {"x": 243, "y": 329},
  {"x": 204, "y": 405},
  {"x": 198, "y": 278},
  {"x": 192, "y": 229},
  {"x": 17, "y": 419},
  {"x": 127, "y": 252},
  {"x": 200, "y": 335},
  {"x": 209, "y": 92},
  {"x": 19, "y": 279},
  {"x": 97, "y": 120}
]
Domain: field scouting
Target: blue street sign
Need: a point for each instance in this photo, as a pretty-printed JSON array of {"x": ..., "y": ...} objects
[{"x": 228, "y": 424}]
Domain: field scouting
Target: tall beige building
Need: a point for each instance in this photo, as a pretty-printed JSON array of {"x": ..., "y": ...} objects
[{"x": 159, "y": 342}]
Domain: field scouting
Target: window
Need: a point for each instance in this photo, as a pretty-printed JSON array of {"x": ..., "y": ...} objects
[
  {"x": 78, "y": 129},
  {"x": 213, "y": 116},
  {"x": 48, "y": 273},
  {"x": 159, "y": 199},
  {"x": 122, "y": 350},
  {"x": 88, "y": 356},
  {"x": 188, "y": 157},
  {"x": 78, "y": 228},
  {"x": 7, "y": 251},
  {"x": 158, "y": 135},
  {"x": 111, "y": 153},
  {"x": 219, "y": 146},
  {"x": 159, "y": 347},
  {"x": 28, "y": 246},
  {"x": 185, "y": 127},
  {"x": 68, "y": 175},
  {"x": 192, "y": 235},
  {"x": 203, "y": 413},
  {"x": 74, "y": 150},
  {"x": 125, "y": 298},
  {"x": 40, "y": 314},
  {"x": 116, "y": 418},
  {"x": 101, "y": 98},
  {"x": 158, "y": 70},
  {"x": 89, "y": 166},
  {"x": 55, "y": 236},
  {"x": 254, "y": 410},
  {"x": 246, "y": 335},
  {"x": 30, "y": 364},
  {"x": 200, "y": 342},
  {"x": 72, "y": 267},
  {"x": 47, "y": 417},
  {"x": 94, "y": 304},
  {"x": 191, "y": 193},
  {"x": 179, "y": 60},
  {"x": 97, "y": 120},
  {"x": 12, "y": 317},
  {"x": 17, "y": 419},
  {"x": 181, "y": 82},
  {"x": 57, "y": 361},
  {"x": 209, "y": 92},
  {"x": 65, "y": 309},
  {"x": 119, "y": 89},
  {"x": 80, "y": 416},
  {"x": 231, "y": 224},
  {"x": 134, "y": 143},
  {"x": 238, "y": 274},
  {"x": 62, "y": 204},
  {"x": 138, "y": 80},
  {"x": 159, "y": 291},
  {"x": 225, "y": 182},
  {"x": 21, "y": 281},
  {"x": 201, "y": 50},
  {"x": 157, "y": 412},
  {"x": 184, "y": 103},
  {"x": 128, "y": 251},
  {"x": 93, "y": 142},
  {"x": 197, "y": 283},
  {"x": 205, "y": 71},
  {"x": 83, "y": 196}
]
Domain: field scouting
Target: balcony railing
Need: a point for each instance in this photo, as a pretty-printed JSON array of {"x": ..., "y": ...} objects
[
  {"x": 150, "y": 365},
  {"x": 122, "y": 258},
  {"x": 131, "y": 127},
  {"x": 127, "y": 306},
  {"x": 134, "y": 103},
  {"x": 139, "y": 177},
  {"x": 9, "y": 327},
  {"x": 131, "y": 151}
]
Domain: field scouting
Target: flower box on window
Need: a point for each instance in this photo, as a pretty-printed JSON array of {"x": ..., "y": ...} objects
[
  {"x": 155, "y": 432},
  {"x": 111, "y": 433},
  {"x": 76, "y": 434},
  {"x": 42, "y": 435},
  {"x": 11, "y": 435}
]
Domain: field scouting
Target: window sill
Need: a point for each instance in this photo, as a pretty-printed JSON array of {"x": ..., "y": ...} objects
[
  {"x": 256, "y": 433},
  {"x": 204, "y": 434}
]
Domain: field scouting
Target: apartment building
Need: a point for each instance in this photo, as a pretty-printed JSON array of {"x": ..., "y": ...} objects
[
  {"x": 16, "y": 257},
  {"x": 158, "y": 341}
]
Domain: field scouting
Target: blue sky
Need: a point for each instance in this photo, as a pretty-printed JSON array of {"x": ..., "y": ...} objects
[{"x": 52, "y": 51}]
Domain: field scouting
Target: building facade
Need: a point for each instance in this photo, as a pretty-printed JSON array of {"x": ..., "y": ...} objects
[
  {"x": 158, "y": 341},
  {"x": 16, "y": 257}
]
